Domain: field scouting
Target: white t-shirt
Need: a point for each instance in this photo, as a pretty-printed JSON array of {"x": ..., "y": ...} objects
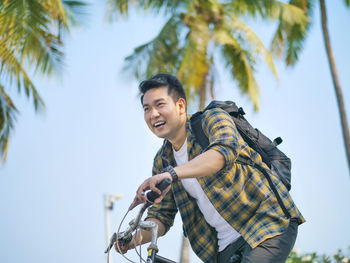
[{"x": 226, "y": 233}]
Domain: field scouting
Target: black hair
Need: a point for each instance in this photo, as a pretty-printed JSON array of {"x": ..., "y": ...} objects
[{"x": 175, "y": 89}]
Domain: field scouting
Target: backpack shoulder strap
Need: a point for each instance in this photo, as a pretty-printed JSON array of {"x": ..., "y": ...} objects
[
  {"x": 196, "y": 124},
  {"x": 196, "y": 119},
  {"x": 249, "y": 162}
]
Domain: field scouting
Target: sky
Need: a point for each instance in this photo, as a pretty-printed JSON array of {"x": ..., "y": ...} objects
[{"x": 91, "y": 139}]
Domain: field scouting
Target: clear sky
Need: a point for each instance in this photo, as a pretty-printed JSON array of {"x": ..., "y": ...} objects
[{"x": 92, "y": 139}]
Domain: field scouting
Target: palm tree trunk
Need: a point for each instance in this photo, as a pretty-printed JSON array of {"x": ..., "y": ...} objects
[
  {"x": 336, "y": 83},
  {"x": 185, "y": 250},
  {"x": 203, "y": 92},
  {"x": 202, "y": 97}
]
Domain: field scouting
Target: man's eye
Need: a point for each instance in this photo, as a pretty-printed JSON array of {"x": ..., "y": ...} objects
[
  {"x": 145, "y": 109},
  {"x": 160, "y": 104}
]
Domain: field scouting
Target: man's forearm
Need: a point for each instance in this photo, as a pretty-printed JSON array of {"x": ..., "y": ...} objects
[
  {"x": 146, "y": 236},
  {"x": 205, "y": 164}
]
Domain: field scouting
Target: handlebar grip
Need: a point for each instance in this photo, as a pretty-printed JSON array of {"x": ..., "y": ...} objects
[
  {"x": 151, "y": 196},
  {"x": 125, "y": 239}
]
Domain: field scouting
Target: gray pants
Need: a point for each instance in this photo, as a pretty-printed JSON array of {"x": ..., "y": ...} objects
[{"x": 273, "y": 250}]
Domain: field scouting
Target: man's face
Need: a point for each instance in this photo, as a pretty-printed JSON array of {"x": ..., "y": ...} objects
[{"x": 163, "y": 116}]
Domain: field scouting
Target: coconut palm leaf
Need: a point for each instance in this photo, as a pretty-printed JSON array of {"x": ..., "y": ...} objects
[
  {"x": 8, "y": 114},
  {"x": 75, "y": 11},
  {"x": 264, "y": 9},
  {"x": 30, "y": 41},
  {"x": 120, "y": 8},
  {"x": 13, "y": 71},
  {"x": 161, "y": 54},
  {"x": 236, "y": 27},
  {"x": 241, "y": 64},
  {"x": 291, "y": 32},
  {"x": 189, "y": 48},
  {"x": 195, "y": 65}
]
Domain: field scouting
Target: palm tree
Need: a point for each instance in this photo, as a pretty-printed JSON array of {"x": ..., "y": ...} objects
[
  {"x": 288, "y": 42},
  {"x": 200, "y": 34},
  {"x": 336, "y": 82},
  {"x": 30, "y": 41}
]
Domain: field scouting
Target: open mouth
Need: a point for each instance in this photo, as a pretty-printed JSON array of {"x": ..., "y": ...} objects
[{"x": 159, "y": 124}]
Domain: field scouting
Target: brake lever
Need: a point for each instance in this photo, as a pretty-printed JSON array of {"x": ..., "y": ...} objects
[
  {"x": 125, "y": 237},
  {"x": 111, "y": 242},
  {"x": 122, "y": 238}
]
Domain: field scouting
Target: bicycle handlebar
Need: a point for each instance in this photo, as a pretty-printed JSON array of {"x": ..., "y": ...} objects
[
  {"x": 125, "y": 237},
  {"x": 151, "y": 195}
]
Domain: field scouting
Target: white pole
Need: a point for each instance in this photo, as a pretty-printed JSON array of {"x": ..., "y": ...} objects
[
  {"x": 108, "y": 202},
  {"x": 107, "y": 221}
]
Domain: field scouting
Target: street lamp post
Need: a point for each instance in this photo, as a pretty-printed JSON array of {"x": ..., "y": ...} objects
[{"x": 108, "y": 202}]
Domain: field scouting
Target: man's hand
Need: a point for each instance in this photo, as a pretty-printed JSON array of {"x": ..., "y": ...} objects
[
  {"x": 142, "y": 237},
  {"x": 150, "y": 184},
  {"x": 122, "y": 249}
]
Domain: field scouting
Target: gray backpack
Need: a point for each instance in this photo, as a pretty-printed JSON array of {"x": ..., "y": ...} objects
[{"x": 275, "y": 159}]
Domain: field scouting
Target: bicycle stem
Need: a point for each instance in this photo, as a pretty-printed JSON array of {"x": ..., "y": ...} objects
[{"x": 152, "y": 248}]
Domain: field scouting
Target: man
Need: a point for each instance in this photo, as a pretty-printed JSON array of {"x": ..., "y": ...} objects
[{"x": 229, "y": 212}]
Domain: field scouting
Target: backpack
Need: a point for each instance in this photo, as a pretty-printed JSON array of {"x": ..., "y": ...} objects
[{"x": 275, "y": 159}]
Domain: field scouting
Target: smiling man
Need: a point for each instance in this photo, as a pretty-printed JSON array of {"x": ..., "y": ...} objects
[{"x": 229, "y": 212}]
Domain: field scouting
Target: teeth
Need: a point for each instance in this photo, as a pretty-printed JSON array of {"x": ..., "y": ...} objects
[{"x": 158, "y": 124}]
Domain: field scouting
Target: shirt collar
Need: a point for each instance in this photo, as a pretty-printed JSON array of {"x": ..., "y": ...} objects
[{"x": 167, "y": 149}]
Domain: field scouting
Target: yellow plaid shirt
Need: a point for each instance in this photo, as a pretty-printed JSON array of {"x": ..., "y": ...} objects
[{"x": 240, "y": 193}]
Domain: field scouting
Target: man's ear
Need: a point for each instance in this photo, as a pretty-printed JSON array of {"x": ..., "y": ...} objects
[{"x": 182, "y": 105}]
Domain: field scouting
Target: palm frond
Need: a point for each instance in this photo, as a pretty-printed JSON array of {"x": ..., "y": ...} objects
[
  {"x": 29, "y": 34},
  {"x": 75, "y": 11},
  {"x": 8, "y": 114},
  {"x": 120, "y": 8},
  {"x": 116, "y": 9},
  {"x": 293, "y": 18},
  {"x": 241, "y": 64},
  {"x": 34, "y": 29},
  {"x": 195, "y": 63},
  {"x": 160, "y": 54},
  {"x": 235, "y": 26},
  {"x": 13, "y": 70},
  {"x": 267, "y": 9},
  {"x": 291, "y": 31},
  {"x": 55, "y": 11},
  {"x": 264, "y": 9},
  {"x": 213, "y": 23},
  {"x": 168, "y": 6},
  {"x": 295, "y": 12},
  {"x": 46, "y": 50},
  {"x": 30, "y": 38}
]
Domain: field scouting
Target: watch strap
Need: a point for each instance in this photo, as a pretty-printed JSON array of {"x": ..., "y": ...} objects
[{"x": 172, "y": 172}]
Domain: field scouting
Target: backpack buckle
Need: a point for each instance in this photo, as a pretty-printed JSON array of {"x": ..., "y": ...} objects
[{"x": 241, "y": 111}]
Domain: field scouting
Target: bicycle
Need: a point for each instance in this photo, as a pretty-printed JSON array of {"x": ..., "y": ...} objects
[{"x": 136, "y": 224}]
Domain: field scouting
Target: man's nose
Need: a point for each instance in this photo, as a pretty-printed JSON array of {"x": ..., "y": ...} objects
[{"x": 154, "y": 113}]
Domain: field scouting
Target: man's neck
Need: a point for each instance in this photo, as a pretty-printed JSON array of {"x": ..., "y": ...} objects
[{"x": 180, "y": 138}]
